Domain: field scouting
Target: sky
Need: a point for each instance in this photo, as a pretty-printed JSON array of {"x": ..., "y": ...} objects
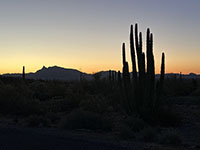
[{"x": 87, "y": 34}]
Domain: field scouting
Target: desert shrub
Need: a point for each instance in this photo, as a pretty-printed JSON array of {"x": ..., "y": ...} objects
[
  {"x": 196, "y": 92},
  {"x": 126, "y": 133},
  {"x": 37, "y": 121},
  {"x": 170, "y": 137},
  {"x": 148, "y": 134},
  {"x": 24, "y": 90},
  {"x": 80, "y": 119},
  {"x": 130, "y": 127},
  {"x": 178, "y": 87},
  {"x": 22, "y": 107},
  {"x": 56, "y": 89},
  {"x": 167, "y": 117},
  {"x": 66, "y": 104},
  {"x": 13, "y": 101},
  {"x": 53, "y": 117},
  {"x": 8, "y": 92},
  {"x": 95, "y": 103},
  {"x": 11, "y": 80},
  {"x": 45, "y": 90},
  {"x": 26, "y": 107},
  {"x": 134, "y": 123},
  {"x": 39, "y": 90}
]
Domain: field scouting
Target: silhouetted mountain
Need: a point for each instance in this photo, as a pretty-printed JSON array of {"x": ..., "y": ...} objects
[
  {"x": 55, "y": 73},
  {"x": 59, "y": 73},
  {"x": 177, "y": 75}
]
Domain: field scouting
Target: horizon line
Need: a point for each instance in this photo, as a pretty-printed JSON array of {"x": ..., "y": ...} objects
[{"x": 93, "y": 72}]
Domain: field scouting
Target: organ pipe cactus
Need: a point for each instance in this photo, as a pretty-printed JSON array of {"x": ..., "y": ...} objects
[
  {"x": 109, "y": 75},
  {"x": 141, "y": 94},
  {"x": 119, "y": 77},
  {"x": 162, "y": 72},
  {"x": 132, "y": 49},
  {"x": 126, "y": 81},
  {"x": 126, "y": 75},
  {"x": 23, "y": 73}
]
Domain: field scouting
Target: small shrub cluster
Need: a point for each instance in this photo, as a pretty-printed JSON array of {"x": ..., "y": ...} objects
[
  {"x": 130, "y": 127},
  {"x": 37, "y": 121},
  {"x": 135, "y": 124},
  {"x": 18, "y": 101},
  {"x": 168, "y": 118},
  {"x": 180, "y": 87},
  {"x": 170, "y": 137},
  {"x": 148, "y": 134},
  {"x": 126, "y": 133},
  {"x": 96, "y": 104},
  {"x": 80, "y": 119}
]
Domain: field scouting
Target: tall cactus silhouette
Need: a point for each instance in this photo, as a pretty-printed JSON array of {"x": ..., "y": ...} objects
[
  {"x": 126, "y": 81},
  {"x": 119, "y": 77},
  {"x": 23, "y": 73},
  {"x": 160, "y": 83},
  {"x": 109, "y": 75},
  {"x": 141, "y": 94},
  {"x": 132, "y": 49},
  {"x": 126, "y": 75},
  {"x": 162, "y": 72},
  {"x": 150, "y": 81}
]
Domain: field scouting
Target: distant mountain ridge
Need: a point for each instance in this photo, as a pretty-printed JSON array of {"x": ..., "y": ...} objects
[
  {"x": 55, "y": 73},
  {"x": 66, "y": 74}
]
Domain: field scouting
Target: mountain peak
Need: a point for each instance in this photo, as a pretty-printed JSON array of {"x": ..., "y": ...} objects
[
  {"x": 56, "y": 67},
  {"x": 50, "y": 68},
  {"x": 44, "y": 68},
  {"x": 58, "y": 73},
  {"x": 192, "y": 74}
]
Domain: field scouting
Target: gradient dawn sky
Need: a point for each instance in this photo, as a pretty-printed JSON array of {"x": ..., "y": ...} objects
[{"x": 87, "y": 34}]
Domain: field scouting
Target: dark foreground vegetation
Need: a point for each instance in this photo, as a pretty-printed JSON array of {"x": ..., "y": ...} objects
[
  {"x": 160, "y": 113},
  {"x": 97, "y": 106}
]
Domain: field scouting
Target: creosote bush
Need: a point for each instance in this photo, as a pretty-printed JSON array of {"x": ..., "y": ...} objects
[
  {"x": 135, "y": 124},
  {"x": 17, "y": 100},
  {"x": 38, "y": 121},
  {"x": 126, "y": 133},
  {"x": 96, "y": 104},
  {"x": 167, "y": 117},
  {"x": 80, "y": 119},
  {"x": 170, "y": 137},
  {"x": 148, "y": 134}
]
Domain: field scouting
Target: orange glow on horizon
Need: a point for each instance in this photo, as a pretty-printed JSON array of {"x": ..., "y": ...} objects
[{"x": 93, "y": 69}]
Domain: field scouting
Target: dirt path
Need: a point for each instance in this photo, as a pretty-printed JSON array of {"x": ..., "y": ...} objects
[{"x": 44, "y": 139}]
